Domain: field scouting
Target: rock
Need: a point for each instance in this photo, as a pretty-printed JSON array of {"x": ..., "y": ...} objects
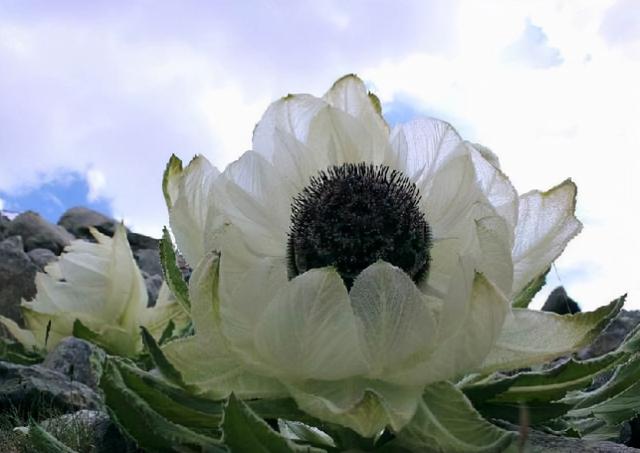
[
  {"x": 41, "y": 257},
  {"x": 613, "y": 335},
  {"x": 95, "y": 428},
  {"x": 30, "y": 388},
  {"x": 78, "y": 220},
  {"x": 153, "y": 284},
  {"x": 541, "y": 442},
  {"x": 140, "y": 241},
  {"x": 17, "y": 274},
  {"x": 36, "y": 233},
  {"x": 4, "y": 224},
  {"x": 559, "y": 302},
  {"x": 77, "y": 359},
  {"x": 148, "y": 261}
]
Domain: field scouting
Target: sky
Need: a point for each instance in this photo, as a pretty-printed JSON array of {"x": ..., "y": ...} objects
[{"x": 95, "y": 97}]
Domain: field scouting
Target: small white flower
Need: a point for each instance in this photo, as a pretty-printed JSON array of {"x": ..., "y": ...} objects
[
  {"x": 349, "y": 266},
  {"x": 100, "y": 285}
]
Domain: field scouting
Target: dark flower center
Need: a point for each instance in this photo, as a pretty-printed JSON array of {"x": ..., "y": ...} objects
[{"x": 352, "y": 215}]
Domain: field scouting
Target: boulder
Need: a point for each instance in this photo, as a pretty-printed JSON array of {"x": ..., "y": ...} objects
[
  {"x": 41, "y": 257},
  {"x": 148, "y": 261},
  {"x": 612, "y": 335},
  {"x": 77, "y": 359},
  {"x": 99, "y": 431},
  {"x": 78, "y": 220},
  {"x": 541, "y": 442},
  {"x": 4, "y": 224},
  {"x": 31, "y": 389},
  {"x": 153, "y": 284},
  {"x": 36, "y": 233},
  {"x": 17, "y": 274},
  {"x": 559, "y": 302}
]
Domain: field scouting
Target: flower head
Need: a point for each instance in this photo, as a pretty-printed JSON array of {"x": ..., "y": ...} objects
[{"x": 349, "y": 266}]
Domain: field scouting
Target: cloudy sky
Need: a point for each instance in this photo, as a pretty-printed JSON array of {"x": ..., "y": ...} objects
[{"x": 95, "y": 96}]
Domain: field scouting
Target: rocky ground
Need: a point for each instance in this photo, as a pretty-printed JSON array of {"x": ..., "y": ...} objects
[{"x": 62, "y": 391}]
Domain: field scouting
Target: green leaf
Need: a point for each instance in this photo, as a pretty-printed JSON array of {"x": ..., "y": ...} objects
[
  {"x": 167, "y": 333},
  {"x": 616, "y": 401},
  {"x": 531, "y": 337},
  {"x": 525, "y": 297},
  {"x": 45, "y": 442},
  {"x": 175, "y": 404},
  {"x": 537, "y": 412},
  {"x": 245, "y": 431},
  {"x": 84, "y": 333},
  {"x": 447, "y": 422},
  {"x": 171, "y": 271},
  {"x": 148, "y": 428},
  {"x": 299, "y": 431},
  {"x": 174, "y": 167},
  {"x": 159, "y": 360},
  {"x": 14, "y": 352},
  {"x": 547, "y": 385}
]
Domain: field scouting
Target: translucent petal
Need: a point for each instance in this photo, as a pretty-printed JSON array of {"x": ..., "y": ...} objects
[
  {"x": 430, "y": 143},
  {"x": 194, "y": 214},
  {"x": 546, "y": 223},
  {"x": 258, "y": 201},
  {"x": 475, "y": 332},
  {"x": 395, "y": 318},
  {"x": 309, "y": 330}
]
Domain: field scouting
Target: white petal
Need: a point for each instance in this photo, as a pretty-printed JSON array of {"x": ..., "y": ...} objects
[
  {"x": 395, "y": 318},
  {"x": 241, "y": 310},
  {"x": 476, "y": 331},
  {"x": 194, "y": 214},
  {"x": 449, "y": 200},
  {"x": 309, "y": 331},
  {"x": 496, "y": 187},
  {"x": 546, "y": 223},
  {"x": 292, "y": 114},
  {"x": 494, "y": 260},
  {"x": 430, "y": 144},
  {"x": 258, "y": 201}
]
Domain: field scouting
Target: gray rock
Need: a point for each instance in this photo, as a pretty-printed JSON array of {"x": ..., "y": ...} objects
[
  {"x": 559, "y": 302},
  {"x": 41, "y": 257},
  {"x": 36, "y": 233},
  {"x": 77, "y": 359},
  {"x": 541, "y": 442},
  {"x": 95, "y": 427},
  {"x": 30, "y": 388},
  {"x": 153, "y": 284},
  {"x": 4, "y": 224},
  {"x": 77, "y": 221},
  {"x": 613, "y": 335},
  {"x": 140, "y": 241},
  {"x": 17, "y": 274},
  {"x": 148, "y": 261}
]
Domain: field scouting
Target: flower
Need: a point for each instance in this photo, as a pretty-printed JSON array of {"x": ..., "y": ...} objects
[
  {"x": 349, "y": 266},
  {"x": 100, "y": 285}
]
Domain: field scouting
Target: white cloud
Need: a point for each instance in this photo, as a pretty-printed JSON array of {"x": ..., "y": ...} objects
[
  {"x": 1, "y": 204},
  {"x": 97, "y": 183}
]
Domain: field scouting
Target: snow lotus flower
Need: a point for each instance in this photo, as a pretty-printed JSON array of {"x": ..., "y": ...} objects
[
  {"x": 349, "y": 266},
  {"x": 100, "y": 285}
]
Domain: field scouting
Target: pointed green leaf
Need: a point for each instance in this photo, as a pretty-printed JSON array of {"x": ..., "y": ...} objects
[
  {"x": 546, "y": 385},
  {"x": 148, "y": 428},
  {"x": 447, "y": 422},
  {"x": 245, "y": 431},
  {"x": 200, "y": 414},
  {"x": 616, "y": 401},
  {"x": 14, "y": 352},
  {"x": 302, "y": 432},
  {"x": 45, "y": 442},
  {"x": 160, "y": 361},
  {"x": 171, "y": 271},
  {"x": 525, "y": 297}
]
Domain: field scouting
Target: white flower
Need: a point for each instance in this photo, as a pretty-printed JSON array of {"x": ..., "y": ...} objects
[
  {"x": 352, "y": 287},
  {"x": 100, "y": 285}
]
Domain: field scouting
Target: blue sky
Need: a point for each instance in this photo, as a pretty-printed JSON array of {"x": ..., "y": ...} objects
[{"x": 98, "y": 95}]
